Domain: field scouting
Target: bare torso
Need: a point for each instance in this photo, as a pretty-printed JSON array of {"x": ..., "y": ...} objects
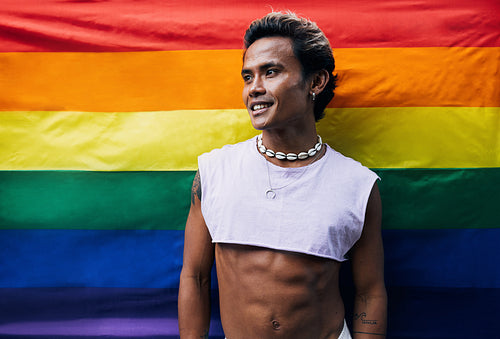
[{"x": 266, "y": 293}]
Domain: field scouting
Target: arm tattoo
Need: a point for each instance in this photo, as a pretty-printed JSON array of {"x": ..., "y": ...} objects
[
  {"x": 196, "y": 189},
  {"x": 364, "y": 321},
  {"x": 204, "y": 335}
]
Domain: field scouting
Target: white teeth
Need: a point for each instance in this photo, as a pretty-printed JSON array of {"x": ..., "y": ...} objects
[{"x": 260, "y": 106}]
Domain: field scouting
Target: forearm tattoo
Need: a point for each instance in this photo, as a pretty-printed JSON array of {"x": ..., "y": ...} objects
[
  {"x": 364, "y": 321},
  {"x": 204, "y": 335},
  {"x": 196, "y": 189}
]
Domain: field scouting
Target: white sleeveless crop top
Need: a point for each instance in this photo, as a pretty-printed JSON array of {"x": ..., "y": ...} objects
[{"x": 318, "y": 209}]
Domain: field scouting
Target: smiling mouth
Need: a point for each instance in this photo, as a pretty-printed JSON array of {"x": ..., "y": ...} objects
[{"x": 260, "y": 106}]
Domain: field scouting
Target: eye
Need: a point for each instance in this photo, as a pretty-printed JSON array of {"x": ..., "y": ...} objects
[
  {"x": 246, "y": 77},
  {"x": 271, "y": 72}
]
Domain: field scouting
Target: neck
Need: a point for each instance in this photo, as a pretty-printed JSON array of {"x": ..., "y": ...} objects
[{"x": 290, "y": 140}]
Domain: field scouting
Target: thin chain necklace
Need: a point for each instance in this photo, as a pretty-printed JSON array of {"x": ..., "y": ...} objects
[{"x": 271, "y": 191}]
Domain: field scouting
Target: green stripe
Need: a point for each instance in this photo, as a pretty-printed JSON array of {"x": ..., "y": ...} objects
[
  {"x": 94, "y": 200},
  {"x": 440, "y": 198},
  {"x": 412, "y": 199}
]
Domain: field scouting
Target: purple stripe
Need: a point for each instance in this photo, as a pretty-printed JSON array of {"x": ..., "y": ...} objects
[
  {"x": 116, "y": 327},
  {"x": 49, "y": 313},
  {"x": 123, "y": 327},
  {"x": 73, "y": 312}
]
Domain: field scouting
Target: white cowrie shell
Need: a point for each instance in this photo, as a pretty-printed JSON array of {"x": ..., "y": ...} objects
[
  {"x": 280, "y": 156},
  {"x": 303, "y": 155},
  {"x": 270, "y": 153}
]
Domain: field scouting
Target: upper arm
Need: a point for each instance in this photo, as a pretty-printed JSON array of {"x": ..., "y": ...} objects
[
  {"x": 198, "y": 247},
  {"x": 368, "y": 253}
]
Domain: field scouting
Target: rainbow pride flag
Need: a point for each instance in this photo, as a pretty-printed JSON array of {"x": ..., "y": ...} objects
[{"x": 105, "y": 106}]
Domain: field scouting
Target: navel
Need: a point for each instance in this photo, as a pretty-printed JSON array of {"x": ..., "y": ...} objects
[{"x": 276, "y": 325}]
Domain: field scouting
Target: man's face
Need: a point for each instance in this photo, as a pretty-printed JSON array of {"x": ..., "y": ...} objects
[{"x": 274, "y": 92}]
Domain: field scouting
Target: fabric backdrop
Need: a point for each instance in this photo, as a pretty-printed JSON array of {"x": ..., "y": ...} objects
[{"x": 105, "y": 106}]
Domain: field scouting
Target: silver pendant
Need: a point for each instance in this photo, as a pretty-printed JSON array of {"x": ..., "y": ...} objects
[{"x": 270, "y": 194}]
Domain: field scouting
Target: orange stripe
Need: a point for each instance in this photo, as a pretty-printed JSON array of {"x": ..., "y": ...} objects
[{"x": 143, "y": 81}]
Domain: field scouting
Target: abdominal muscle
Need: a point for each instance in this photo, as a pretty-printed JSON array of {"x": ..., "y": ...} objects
[{"x": 266, "y": 293}]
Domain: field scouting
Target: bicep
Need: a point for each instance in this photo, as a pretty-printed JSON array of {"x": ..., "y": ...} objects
[{"x": 368, "y": 253}]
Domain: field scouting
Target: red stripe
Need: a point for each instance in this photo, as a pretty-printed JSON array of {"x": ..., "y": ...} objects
[{"x": 130, "y": 25}]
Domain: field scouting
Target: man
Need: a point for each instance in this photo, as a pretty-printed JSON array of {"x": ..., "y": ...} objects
[{"x": 280, "y": 212}]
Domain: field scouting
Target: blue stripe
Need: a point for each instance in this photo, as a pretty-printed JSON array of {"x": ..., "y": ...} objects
[
  {"x": 153, "y": 258},
  {"x": 90, "y": 258},
  {"x": 455, "y": 258}
]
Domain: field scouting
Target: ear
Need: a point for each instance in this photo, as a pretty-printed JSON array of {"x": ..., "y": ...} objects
[{"x": 319, "y": 81}]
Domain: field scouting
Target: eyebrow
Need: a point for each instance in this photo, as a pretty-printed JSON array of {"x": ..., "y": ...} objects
[{"x": 263, "y": 67}]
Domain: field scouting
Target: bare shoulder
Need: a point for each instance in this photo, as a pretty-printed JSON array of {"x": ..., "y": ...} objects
[
  {"x": 373, "y": 217},
  {"x": 371, "y": 234}
]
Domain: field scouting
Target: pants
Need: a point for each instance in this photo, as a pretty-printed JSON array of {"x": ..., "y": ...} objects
[{"x": 345, "y": 334}]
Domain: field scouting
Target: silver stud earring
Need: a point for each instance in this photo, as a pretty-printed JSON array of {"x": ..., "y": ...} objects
[{"x": 314, "y": 96}]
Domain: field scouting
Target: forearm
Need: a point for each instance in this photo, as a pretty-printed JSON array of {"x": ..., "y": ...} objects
[
  {"x": 370, "y": 316},
  {"x": 194, "y": 307}
]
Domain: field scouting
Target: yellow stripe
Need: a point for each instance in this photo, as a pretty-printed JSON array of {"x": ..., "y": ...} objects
[
  {"x": 180, "y": 80},
  {"x": 172, "y": 140},
  {"x": 413, "y": 137}
]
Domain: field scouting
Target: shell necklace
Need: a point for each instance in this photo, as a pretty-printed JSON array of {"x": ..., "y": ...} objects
[
  {"x": 271, "y": 191},
  {"x": 290, "y": 156}
]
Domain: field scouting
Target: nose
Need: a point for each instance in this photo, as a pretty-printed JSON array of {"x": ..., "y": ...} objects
[{"x": 257, "y": 87}]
